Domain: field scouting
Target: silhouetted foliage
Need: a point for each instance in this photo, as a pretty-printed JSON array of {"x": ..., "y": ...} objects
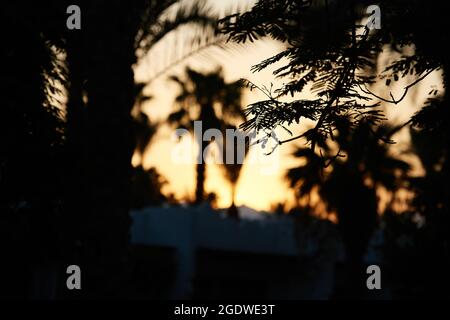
[
  {"x": 348, "y": 185},
  {"x": 145, "y": 131},
  {"x": 417, "y": 242},
  {"x": 66, "y": 179},
  {"x": 31, "y": 144},
  {"x": 102, "y": 94},
  {"x": 76, "y": 175},
  {"x": 146, "y": 188},
  {"x": 332, "y": 55}
]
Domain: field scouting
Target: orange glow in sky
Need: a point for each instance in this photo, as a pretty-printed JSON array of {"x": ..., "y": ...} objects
[{"x": 255, "y": 188}]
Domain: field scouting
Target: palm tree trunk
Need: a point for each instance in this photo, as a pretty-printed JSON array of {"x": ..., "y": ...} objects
[
  {"x": 233, "y": 212},
  {"x": 108, "y": 143},
  {"x": 233, "y": 194},
  {"x": 206, "y": 116},
  {"x": 201, "y": 176}
]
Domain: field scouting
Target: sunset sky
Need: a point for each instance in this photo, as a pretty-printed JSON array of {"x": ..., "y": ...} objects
[{"x": 261, "y": 182}]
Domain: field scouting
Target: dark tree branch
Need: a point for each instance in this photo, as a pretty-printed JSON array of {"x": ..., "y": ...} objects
[{"x": 405, "y": 92}]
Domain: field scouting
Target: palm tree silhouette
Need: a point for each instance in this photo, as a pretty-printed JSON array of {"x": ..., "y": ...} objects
[
  {"x": 232, "y": 170},
  {"x": 101, "y": 137},
  {"x": 144, "y": 129},
  {"x": 217, "y": 104},
  {"x": 31, "y": 146},
  {"x": 348, "y": 185}
]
